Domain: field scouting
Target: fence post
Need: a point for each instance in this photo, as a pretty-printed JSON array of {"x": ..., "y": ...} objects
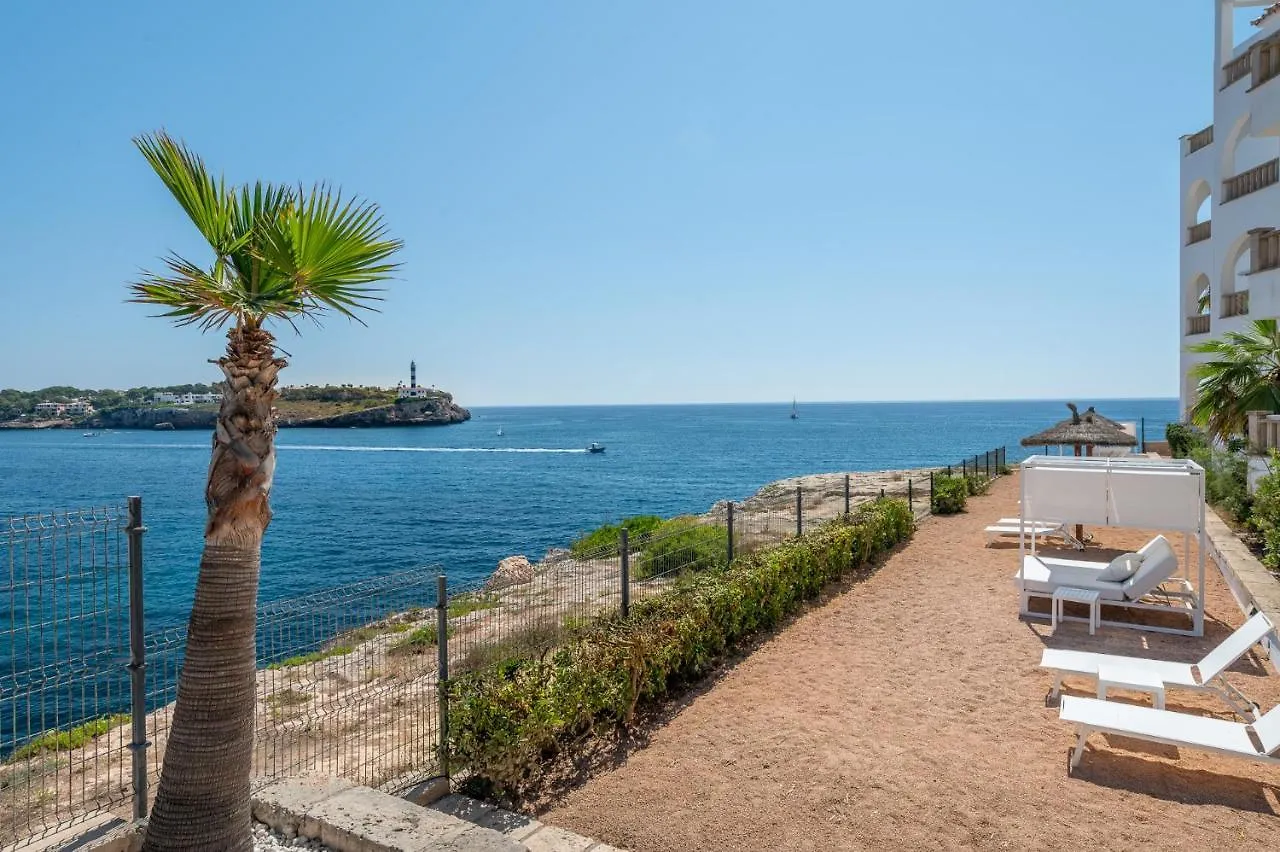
[
  {"x": 729, "y": 520},
  {"x": 799, "y": 513},
  {"x": 137, "y": 660},
  {"x": 930, "y": 492},
  {"x": 964, "y": 467},
  {"x": 846, "y": 494},
  {"x": 948, "y": 470},
  {"x": 624, "y": 551},
  {"x": 1142, "y": 434},
  {"x": 442, "y": 668},
  {"x": 910, "y": 495},
  {"x": 986, "y": 462}
]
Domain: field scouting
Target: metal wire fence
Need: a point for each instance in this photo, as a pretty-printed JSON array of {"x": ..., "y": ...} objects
[{"x": 348, "y": 680}]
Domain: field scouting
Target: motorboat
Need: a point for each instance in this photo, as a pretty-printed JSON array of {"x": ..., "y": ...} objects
[
  {"x": 499, "y": 431},
  {"x": 593, "y": 447}
]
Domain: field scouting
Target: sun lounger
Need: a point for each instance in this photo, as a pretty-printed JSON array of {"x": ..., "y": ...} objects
[
  {"x": 1040, "y": 529},
  {"x": 1041, "y": 576},
  {"x": 1206, "y": 675},
  {"x": 1259, "y": 741}
]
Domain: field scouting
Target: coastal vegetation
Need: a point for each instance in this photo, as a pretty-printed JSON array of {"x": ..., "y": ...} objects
[
  {"x": 606, "y": 537},
  {"x": 509, "y": 711},
  {"x": 68, "y": 739},
  {"x": 949, "y": 494},
  {"x": 295, "y": 403},
  {"x": 279, "y": 254},
  {"x": 681, "y": 543}
]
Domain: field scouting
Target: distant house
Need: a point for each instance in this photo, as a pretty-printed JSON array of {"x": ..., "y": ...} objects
[
  {"x": 186, "y": 398},
  {"x": 50, "y": 410},
  {"x": 79, "y": 408}
]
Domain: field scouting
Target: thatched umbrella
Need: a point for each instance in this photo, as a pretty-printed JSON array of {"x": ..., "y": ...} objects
[{"x": 1086, "y": 430}]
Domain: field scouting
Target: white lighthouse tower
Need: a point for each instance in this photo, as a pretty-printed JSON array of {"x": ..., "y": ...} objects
[{"x": 413, "y": 391}]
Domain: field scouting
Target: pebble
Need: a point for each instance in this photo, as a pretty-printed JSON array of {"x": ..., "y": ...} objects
[{"x": 266, "y": 840}]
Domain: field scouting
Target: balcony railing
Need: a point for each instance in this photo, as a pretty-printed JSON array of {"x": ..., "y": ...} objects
[
  {"x": 1200, "y": 139},
  {"x": 1251, "y": 181},
  {"x": 1268, "y": 65},
  {"x": 1264, "y": 432},
  {"x": 1198, "y": 324},
  {"x": 1266, "y": 252},
  {"x": 1199, "y": 231},
  {"x": 1237, "y": 69},
  {"x": 1235, "y": 304}
]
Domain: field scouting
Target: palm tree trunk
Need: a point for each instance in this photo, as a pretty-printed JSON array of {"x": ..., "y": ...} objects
[{"x": 203, "y": 798}]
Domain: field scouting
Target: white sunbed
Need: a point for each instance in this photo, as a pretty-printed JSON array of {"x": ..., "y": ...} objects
[
  {"x": 1258, "y": 741},
  {"x": 1040, "y": 529},
  {"x": 1041, "y": 576},
  {"x": 1206, "y": 675}
]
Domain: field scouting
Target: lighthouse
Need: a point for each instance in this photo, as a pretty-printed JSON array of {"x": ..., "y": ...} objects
[{"x": 413, "y": 391}]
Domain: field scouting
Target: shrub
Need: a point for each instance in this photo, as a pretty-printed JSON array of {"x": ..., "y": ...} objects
[
  {"x": 1183, "y": 439},
  {"x": 419, "y": 641},
  {"x": 679, "y": 545},
  {"x": 1226, "y": 480},
  {"x": 949, "y": 494},
  {"x": 976, "y": 485},
  {"x": 506, "y": 717},
  {"x": 1265, "y": 518},
  {"x": 68, "y": 739},
  {"x": 606, "y": 537}
]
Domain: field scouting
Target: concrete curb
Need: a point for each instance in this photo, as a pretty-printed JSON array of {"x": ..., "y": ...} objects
[{"x": 1252, "y": 585}]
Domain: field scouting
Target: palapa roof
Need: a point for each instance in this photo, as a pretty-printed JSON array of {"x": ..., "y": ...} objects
[{"x": 1088, "y": 429}]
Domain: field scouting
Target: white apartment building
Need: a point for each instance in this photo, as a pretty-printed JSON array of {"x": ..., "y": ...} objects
[
  {"x": 56, "y": 410},
  {"x": 1230, "y": 198},
  {"x": 186, "y": 398}
]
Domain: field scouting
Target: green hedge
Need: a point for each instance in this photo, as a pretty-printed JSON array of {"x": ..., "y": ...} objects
[
  {"x": 949, "y": 494},
  {"x": 507, "y": 717}
]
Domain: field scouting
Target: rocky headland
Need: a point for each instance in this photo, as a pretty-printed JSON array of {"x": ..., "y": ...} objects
[{"x": 437, "y": 410}]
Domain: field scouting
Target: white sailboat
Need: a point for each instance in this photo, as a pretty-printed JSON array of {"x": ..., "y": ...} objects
[
  {"x": 795, "y": 415},
  {"x": 499, "y": 431}
]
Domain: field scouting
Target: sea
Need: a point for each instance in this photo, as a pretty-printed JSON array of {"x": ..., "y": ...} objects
[{"x": 352, "y": 504}]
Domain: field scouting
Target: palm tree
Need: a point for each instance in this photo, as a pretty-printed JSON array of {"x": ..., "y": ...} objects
[
  {"x": 279, "y": 253},
  {"x": 1244, "y": 376}
]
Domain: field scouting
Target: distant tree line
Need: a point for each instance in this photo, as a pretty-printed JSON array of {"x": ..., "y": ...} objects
[
  {"x": 14, "y": 403},
  {"x": 337, "y": 393}
]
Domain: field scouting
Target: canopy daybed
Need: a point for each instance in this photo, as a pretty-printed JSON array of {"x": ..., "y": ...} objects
[{"x": 1137, "y": 492}]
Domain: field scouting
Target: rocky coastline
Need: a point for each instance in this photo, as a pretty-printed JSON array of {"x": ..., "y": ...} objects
[{"x": 437, "y": 410}]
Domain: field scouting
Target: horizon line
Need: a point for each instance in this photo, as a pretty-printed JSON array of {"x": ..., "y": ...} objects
[{"x": 817, "y": 402}]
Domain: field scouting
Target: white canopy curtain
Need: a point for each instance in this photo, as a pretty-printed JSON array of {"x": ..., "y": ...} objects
[{"x": 1137, "y": 492}]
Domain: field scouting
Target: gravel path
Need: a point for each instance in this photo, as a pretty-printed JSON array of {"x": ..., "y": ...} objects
[{"x": 910, "y": 713}]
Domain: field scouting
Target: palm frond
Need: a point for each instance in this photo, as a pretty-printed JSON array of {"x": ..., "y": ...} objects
[
  {"x": 205, "y": 200},
  {"x": 279, "y": 252},
  {"x": 1242, "y": 376}
]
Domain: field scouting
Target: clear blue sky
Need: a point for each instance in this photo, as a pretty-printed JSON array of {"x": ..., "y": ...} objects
[{"x": 632, "y": 201}]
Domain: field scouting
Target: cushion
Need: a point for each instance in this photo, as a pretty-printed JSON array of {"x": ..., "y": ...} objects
[
  {"x": 1159, "y": 563},
  {"x": 1122, "y": 568}
]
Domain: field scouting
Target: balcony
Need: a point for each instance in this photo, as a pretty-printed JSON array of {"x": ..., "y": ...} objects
[
  {"x": 1253, "y": 180},
  {"x": 1268, "y": 65},
  {"x": 1198, "y": 324},
  {"x": 1237, "y": 69},
  {"x": 1199, "y": 232},
  {"x": 1263, "y": 432},
  {"x": 1235, "y": 304},
  {"x": 1200, "y": 139},
  {"x": 1266, "y": 252}
]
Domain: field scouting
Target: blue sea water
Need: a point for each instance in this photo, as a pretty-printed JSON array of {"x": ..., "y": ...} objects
[{"x": 351, "y": 504}]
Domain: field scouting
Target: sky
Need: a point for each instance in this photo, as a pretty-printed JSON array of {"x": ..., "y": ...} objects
[{"x": 631, "y": 202}]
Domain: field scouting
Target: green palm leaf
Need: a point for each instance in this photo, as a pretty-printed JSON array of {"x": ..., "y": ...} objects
[
  {"x": 1242, "y": 376},
  {"x": 278, "y": 252}
]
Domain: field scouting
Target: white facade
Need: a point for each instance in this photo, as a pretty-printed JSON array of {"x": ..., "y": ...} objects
[
  {"x": 56, "y": 410},
  {"x": 186, "y": 398},
  {"x": 1231, "y": 245}
]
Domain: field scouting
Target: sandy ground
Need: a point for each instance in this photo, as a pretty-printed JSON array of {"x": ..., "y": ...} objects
[{"x": 909, "y": 712}]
